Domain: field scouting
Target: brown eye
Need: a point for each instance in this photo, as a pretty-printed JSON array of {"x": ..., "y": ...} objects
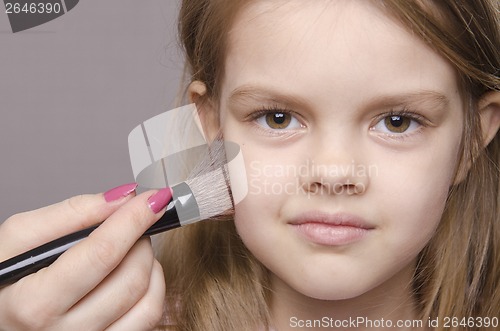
[
  {"x": 397, "y": 124},
  {"x": 277, "y": 120}
]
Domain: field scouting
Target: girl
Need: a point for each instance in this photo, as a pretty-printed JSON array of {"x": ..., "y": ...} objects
[{"x": 369, "y": 132}]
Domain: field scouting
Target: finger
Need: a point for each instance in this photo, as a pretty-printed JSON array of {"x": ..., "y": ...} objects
[
  {"x": 24, "y": 309},
  {"x": 83, "y": 267},
  {"x": 118, "y": 293},
  {"x": 28, "y": 230},
  {"x": 148, "y": 312}
]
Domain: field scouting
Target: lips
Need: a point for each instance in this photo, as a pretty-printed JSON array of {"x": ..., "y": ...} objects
[{"x": 330, "y": 229}]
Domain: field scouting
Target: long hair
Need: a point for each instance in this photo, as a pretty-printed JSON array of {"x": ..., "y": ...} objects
[
  {"x": 215, "y": 283},
  {"x": 458, "y": 273}
]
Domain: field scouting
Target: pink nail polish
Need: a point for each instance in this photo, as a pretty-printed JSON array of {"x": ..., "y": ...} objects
[
  {"x": 158, "y": 201},
  {"x": 119, "y": 192}
]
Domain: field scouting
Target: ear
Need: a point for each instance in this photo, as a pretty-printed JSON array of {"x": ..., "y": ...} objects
[
  {"x": 489, "y": 110},
  {"x": 207, "y": 111}
]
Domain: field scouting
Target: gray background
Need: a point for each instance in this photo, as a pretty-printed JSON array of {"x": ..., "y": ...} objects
[{"x": 72, "y": 89}]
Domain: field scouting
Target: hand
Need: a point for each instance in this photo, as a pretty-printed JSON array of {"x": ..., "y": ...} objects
[{"x": 108, "y": 281}]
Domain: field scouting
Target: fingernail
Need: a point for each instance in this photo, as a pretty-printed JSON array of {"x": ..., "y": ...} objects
[
  {"x": 160, "y": 200},
  {"x": 119, "y": 192}
]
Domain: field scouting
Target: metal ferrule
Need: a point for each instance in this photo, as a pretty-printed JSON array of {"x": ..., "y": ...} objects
[{"x": 185, "y": 204}]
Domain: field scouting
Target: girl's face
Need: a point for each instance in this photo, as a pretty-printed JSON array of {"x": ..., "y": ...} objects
[{"x": 350, "y": 128}]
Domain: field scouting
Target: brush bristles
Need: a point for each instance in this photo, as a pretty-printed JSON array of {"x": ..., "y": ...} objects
[
  {"x": 212, "y": 194},
  {"x": 209, "y": 183}
]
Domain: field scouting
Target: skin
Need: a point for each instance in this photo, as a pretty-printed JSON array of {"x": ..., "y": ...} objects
[{"x": 341, "y": 68}]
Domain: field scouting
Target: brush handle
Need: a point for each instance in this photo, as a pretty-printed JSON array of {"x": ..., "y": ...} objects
[{"x": 42, "y": 256}]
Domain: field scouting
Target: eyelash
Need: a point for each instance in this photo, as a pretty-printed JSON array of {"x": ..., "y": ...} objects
[
  {"x": 413, "y": 116},
  {"x": 405, "y": 113},
  {"x": 269, "y": 110},
  {"x": 419, "y": 119}
]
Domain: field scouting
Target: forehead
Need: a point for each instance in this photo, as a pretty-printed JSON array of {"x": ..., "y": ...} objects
[{"x": 339, "y": 43}]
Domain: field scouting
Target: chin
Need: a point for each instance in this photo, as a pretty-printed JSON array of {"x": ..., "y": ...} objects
[
  {"x": 333, "y": 294},
  {"x": 332, "y": 289}
]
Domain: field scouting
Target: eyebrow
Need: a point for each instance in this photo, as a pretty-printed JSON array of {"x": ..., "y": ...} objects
[
  {"x": 248, "y": 93},
  {"x": 427, "y": 98}
]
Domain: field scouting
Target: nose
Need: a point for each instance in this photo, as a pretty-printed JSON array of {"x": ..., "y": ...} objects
[{"x": 337, "y": 169}]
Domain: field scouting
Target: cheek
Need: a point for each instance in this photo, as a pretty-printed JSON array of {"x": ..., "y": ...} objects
[
  {"x": 257, "y": 217},
  {"x": 413, "y": 194},
  {"x": 268, "y": 184},
  {"x": 252, "y": 214},
  {"x": 254, "y": 220}
]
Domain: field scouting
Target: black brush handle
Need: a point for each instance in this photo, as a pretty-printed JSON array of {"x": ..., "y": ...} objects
[{"x": 42, "y": 256}]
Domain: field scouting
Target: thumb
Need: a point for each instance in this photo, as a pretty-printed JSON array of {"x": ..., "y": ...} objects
[{"x": 24, "y": 231}]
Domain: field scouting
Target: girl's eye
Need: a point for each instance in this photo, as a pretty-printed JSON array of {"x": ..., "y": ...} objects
[
  {"x": 396, "y": 124},
  {"x": 278, "y": 121}
]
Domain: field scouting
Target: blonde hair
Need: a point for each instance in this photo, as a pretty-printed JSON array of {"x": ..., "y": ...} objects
[{"x": 215, "y": 283}]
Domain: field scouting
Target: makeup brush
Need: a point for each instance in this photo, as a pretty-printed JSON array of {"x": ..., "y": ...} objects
[{"x": 206, "y": 194}]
